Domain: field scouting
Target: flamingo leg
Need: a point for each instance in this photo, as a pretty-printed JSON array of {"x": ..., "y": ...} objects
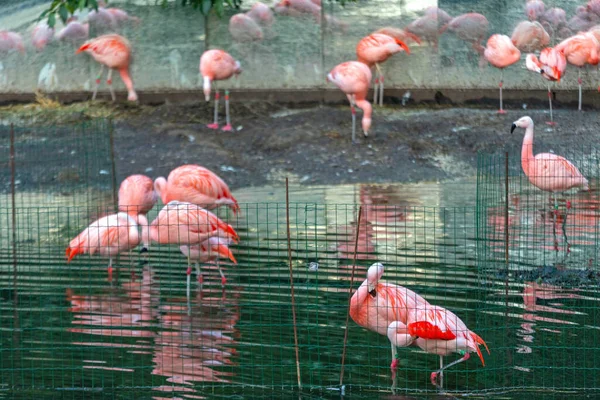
[
  {"x": 353, "y": 109},
  {"x": 441, "y": 372},
  {"x": 375, "y": 89},
  {"x": 564, "y": 226},
  {"x": 501, "y": 110},
  {"x": 110, "y": 269},
  {"x": 380, "y": 85},
  {"x": 579, "y": 84},
  {"x": 223, "y": 279},
  {"x": 394, "y": 368},
  {"x": 109, "y": 83},
  {"x": 227, "y": 127},
  {"x": 435, "y": 374},
  {"x": 199, "y": 275},
  {"x": 188, "y": 273},
  {"x": 215, "y": 124},
  {"x": 98, "y": 77},
  {"x": 550, "y": 102},
  {"x": 554, "y": 214}
]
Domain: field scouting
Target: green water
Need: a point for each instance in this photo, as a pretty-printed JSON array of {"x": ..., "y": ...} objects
[{"x": 67, "y": 332}]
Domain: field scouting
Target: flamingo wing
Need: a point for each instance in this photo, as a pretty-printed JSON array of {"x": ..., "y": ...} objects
[{"x": 557, "y": 166}]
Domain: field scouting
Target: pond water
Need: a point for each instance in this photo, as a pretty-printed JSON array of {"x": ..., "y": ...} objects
[{"x": 67, "y": 331}]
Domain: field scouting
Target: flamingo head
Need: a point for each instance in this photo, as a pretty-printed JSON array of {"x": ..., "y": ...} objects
[
  {"x": 397, "y": 333},
  {"x": 373, "y": 275},
  {"x": 160, "y": 187},
  {"x": 523, "y": 122}
]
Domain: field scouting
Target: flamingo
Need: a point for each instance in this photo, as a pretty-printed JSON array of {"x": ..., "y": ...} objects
[
  {"x": 548, "y": 172},
  {"x": 10, "y": 41},
  {"x": 438, "y": 331},
  {"x": 110, "y": 236},
  {"x": 375, "y": 49},
  {"x": 75, "y": 31},
  {"x": 530, "y": 36},
  {"x": 197, "y": 185},
  {"x": 41, "y": 35},
  {"x": 534, "y": 9},
  {"x": 470, "y": 27},
  {"x": 400, "y": 34},
  {"x": 137, "y": 195},
  {"x": 261, "y": 14},
  {"x": 216, "y": 65},
  {"x": 375, "y": 305},
  {"x": 114, "y": 52},
  {"x": 209, "y": 250},
  {"x": 500, "y": 52},
  {"x": 551, "y": 65},
  {"x": 580, "y": 50},
  {"x": 553, "y": 20},
  {"x": 244, "y": 28},
  {"x": 428, "y": 26},
  {"x": 353, "y": 78},
  {"x": 185, "y": 223}
]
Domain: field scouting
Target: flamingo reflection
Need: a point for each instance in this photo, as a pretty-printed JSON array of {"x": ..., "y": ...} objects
[{"x": 189, "y": 341}]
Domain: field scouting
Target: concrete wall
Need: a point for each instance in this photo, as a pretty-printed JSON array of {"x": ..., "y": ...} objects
[{"x": 296, "y": 53}]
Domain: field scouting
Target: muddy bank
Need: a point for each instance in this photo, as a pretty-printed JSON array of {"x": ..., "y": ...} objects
[{"x": 313, "y": 145}]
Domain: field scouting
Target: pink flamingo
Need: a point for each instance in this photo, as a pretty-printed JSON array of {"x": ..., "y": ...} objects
[
  {"x": 41, "y": 35},
  {"x": 470, "y": 27},
  {"x": 353, "y": 78},
  {"x": 580, "y": 50},
  {"x": 428, "y": 26},
  {"x": 375, "y": 305},
  {"x": 530, "y": 36},
  {"x": 400, "y": 34},
  {"x": 197, "y": 185},
  {"x": 109, "y": 236},
  {"x": 375, "y": 49},
  {"x": 75, "y": 31},
  {"x": 261, "y": 13},
  {"x": 188, "y": 224},
  {"x": 243, "y": 28},
  {"x": 438, "y": 331},
  {"x": 217, "y": 65},
  {"x": 121, "y": 16},
  {"x": 11, "y": 41},
  {"x": 137, "y": 195},
  {"x": 534, "y": 9},
  {"x": 113, "y": 51},
  {"x": 551, "y": 65},
  {"x": 500, "y": 52},
  {"x": 548, "y": 172},
  {"x": 209, "y": 250},
  {"x": 553, "y": 20}
]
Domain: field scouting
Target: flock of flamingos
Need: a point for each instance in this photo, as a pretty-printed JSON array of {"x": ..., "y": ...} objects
[{"x": 190, "y": 191}]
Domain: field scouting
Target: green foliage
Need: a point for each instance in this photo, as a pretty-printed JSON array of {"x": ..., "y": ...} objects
[{"x": 66, "y": 8}]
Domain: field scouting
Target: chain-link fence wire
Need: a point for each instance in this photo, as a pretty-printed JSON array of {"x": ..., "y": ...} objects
[
  {"x": 543, "y": 267},
  {"x": 137, "y": 331}
]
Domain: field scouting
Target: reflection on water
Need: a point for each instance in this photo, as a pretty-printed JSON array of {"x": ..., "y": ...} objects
[{"x": 138, "y": 336}]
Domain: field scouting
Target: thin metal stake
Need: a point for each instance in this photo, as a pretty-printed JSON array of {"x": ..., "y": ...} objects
[
  {"x": 289, "y": 243},
  {"x": 112, "y": 163},
  {"x": 350, "y": 295},
  {"x": 14, "y": 211}
]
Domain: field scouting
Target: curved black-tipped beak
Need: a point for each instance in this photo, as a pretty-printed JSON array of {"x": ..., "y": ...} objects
[
  {"x": 512, "y": 128},
  {"x": 143, "y": 250},
  {"x": 373, "y": 293}
]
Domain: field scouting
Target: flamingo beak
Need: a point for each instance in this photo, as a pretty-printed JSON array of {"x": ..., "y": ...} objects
[{"x": 512, "y": 128}]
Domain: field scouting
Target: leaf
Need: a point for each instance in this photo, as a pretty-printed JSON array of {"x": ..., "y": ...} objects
[
  {"x": 52, "y": 19},
  {"x": 206, "y": 6},
  {"x": 93, "y": 3},
  {"x": 219, "y": 7},
  {"x": 63, "y": 13},
  {"x": 82, "y": 4}
]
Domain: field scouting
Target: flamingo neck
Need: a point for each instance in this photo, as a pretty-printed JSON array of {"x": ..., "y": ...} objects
[
  {"x": 131, "y": 94},
  {"x": 160, "y": 187},
  {"x": 527, "y": 149},
  {"x": 367, "y": 109},
  {"x": 143, "y": 222}
]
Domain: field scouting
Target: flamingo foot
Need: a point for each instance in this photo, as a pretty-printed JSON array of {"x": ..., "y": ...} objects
[
  {"x": 212, "y": 126},
  {"x": 501, "y": 111},
  {"x": 433, "y": 378},
  {"x": 110, "y": 273},
  {"x": 568, "y": 204},
  {"x": 201, "y": 279},
  {"x": 223, "y": 281},
  {"x": 189, "y": 271},
  {"x": 551, "y": 123},
  {"x": 227, "y": 128}
]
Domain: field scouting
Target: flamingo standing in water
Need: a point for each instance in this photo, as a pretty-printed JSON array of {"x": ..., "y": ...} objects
[
  {"x": 216, "y": 65},
  {"x": 438, "y": 331},
  {"x": 375, "y": 49},
  {"x": 185, "y": 223},
  {"x": 580, "y": 50},
  {"x": 197, "y": 185},
  {"x": 137, "y": 195},
  {"x": 353, "y": 78},
  {"x": 548, "y": 172},
  {"x": 114, "y": 52},
  {"x": 209, "y": 250},
  {"x": 551, "y": 65},
  {"x": 109, "y": 236},
  {"x": 501, "y": 52},
  {"x": 375, "y": 305}
]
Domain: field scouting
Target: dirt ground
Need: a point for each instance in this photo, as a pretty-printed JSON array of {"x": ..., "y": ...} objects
[{"x": 313, "y": 145}]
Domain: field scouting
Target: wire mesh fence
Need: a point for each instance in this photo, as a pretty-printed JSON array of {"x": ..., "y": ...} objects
[{"x": 537, "y": 229}]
